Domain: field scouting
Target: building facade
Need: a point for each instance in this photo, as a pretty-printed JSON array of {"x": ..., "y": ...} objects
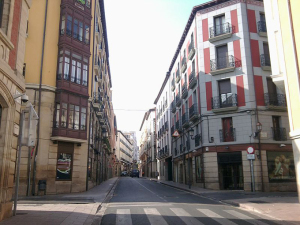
[
  {"x": 124, "y": 151},
  {"x": 283, "y": 26},
  {"x": 70, "y": 90},
  {"x": 221, "y": 95},
  {"x": 148, "y": 147},
  {"x": 13, "y": 23}
]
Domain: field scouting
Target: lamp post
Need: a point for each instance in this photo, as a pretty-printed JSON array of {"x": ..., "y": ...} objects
[{"x": 191, "y": 135}]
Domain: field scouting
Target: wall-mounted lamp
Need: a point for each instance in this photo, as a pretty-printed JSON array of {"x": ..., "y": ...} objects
[{"x": 282, "y": 145}]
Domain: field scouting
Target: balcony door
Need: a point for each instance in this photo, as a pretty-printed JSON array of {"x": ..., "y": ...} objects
[
  {"x": 227, "y": 129},
  {"x": 272, "y": 92},
  {"x": 222, "y": 57},
  {"x": 266, "y": 54},
  {"x": 225, "y": 93},
  {"x": 219, "y": 25}
]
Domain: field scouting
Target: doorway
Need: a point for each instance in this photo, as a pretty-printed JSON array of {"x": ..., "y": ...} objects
[
  {"x": 170, "y": 172},
  {"x": 230, "y": 171}
]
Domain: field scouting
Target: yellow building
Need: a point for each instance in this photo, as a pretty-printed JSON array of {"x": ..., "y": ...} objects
[
  {"x": 68, "y": 79},
  {"x": 283, "y": 24}
]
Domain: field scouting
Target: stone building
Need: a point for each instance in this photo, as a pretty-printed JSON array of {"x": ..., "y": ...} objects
[
  {"x": 13, "y": 23},
  {"x": 70, "y": 89},
  {"x": 124, "y": 150},
  {"x": 223, "y": 100}
]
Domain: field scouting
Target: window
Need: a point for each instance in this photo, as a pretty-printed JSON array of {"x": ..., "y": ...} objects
[
  {"x": 83, "y": 119},
  {"x": 64, "y": 111},
  {"x": 64, "y": 161},
  {"x": 75, "y": 29},
  {"x": 225, "y": 95},
  {"x": 60, "y": 68},
  {"x": 87, "y": 34},
  {"x": 228, "y": 131},
  {"x": 56, "y": 124},
  {"x": 88, "y": 3},
  {"x": 222, "y": 57},
  {"x": 84, "y": 75},
  {"x": 199, "y": 169},
  {"x": 80, "y": 31},
  {"x": 67, "y": 68},
  {"x": 63, "y": 24},
  {"x": 219, "y": 25},
  {"x": 71, "y": 116},
  {"x": 1, "y": 11},
  {"x": 69, "y": 25}
]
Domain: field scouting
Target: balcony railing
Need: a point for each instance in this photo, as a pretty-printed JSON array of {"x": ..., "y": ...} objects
[
  {"x": 178, "y": 100},
  {"x": 173, "y": 107},
  {"x": 184, "y": 91},
  {"x": 222, "y": 63},
  {"x": 224, "y": 101},
  {"x": 192, "y": 80},
  {"x": 193, "y": 112},
  {"x": 166, "y": 104},
  {"x": 177, "y": 78},
  {"x": 275, "y": 100},
  {"x": 227, "y": 135},
  {"x": 262, "y": 27},
  {"x": 191, "y": 50},
  {"x": 279, "y": 134},
  {"x": 185, "y": 120},
  {"x": 173, "y": 85},
  {"x": 183, "y": 64},
  {"x": 218, "y": 30},
  {"x": 197, "y": 139},
  {"x": 265, "y": 61},
  {"x": 178, "y": 125}
]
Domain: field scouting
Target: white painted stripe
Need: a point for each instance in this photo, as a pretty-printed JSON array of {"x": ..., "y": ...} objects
[
  {"x": 216, "y": 217},
  {"x": 123, "y": 217},
  {"x": 245, "y": 217},
  {"x": 186, "y": 217},
  {"x": 155, "y": 217},
  {"x": 139, "y": 205}
]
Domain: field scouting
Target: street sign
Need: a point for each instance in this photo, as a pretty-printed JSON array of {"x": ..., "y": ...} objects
[
  {"x": 250, "y": 156},
  {"x": 175, "y": 134},
  {"x": 250, "y": 150}
]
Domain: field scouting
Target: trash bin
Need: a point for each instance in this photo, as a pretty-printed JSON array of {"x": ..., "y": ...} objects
[{"x": 42, "y": 184}]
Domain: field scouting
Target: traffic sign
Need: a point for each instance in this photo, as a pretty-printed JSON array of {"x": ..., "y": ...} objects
[
  {"x": 250, "y": 150},
  {"x": 175, "y": 134},
  {"x": 250, "y": 156}
]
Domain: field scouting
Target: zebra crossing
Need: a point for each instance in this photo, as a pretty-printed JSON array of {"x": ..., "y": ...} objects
[{"x": 175, "y": 215}]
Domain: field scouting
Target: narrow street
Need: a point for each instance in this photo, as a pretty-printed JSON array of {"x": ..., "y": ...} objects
[{"x": 143, "y": 202}]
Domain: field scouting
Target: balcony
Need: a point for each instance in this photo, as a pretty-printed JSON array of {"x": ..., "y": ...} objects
[
  {"x": 193, "y": 112},
  {"x": 177, "y": 78},
  {"x": 97, "y": 101},
  {"x": 183, "y": 65},
  {"x": 191, "y": 51},
  {"x": 227, "y": 135},
  {"x": 185, "y": 120},
  {"x": 279, "y": 134},
  {"x": 197, "y": 140},
  {"x": 97, "y": 65},
  {"x": 275, "y": 102},
  {"x": 224, "y": 103},
  {"x": 173, "y": 107},
  {"x": 173, "y": 85},
  {"x": 222, "y": 65},
  {"x": 178, "y": 100},
  {"x": 166, "y": 126},
  {"x": 262, "y": 28},
  {"x": 184, "y": 92},
  {"x": 220, "y": 32},
  {"x": 265, "y": 62},
  {"x": 178, "y": 125},
  {"x": 192, "y": 80}
]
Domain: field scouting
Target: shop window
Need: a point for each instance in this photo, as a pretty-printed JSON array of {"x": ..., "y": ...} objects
[
  {"x": 281, "y": 166},
  {"x": 64, "y": 161},
  {"x": 199, "y": 169}
]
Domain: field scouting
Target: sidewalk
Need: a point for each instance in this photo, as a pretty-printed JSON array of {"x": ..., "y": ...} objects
[
  {"x": 75, "y": 208},
  {"x": 278, "y": 205}
]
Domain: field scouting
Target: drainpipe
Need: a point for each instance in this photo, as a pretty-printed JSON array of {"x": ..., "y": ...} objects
[
  {"x": 256, "y": 110},
  {"x": 39, "y": 103}
]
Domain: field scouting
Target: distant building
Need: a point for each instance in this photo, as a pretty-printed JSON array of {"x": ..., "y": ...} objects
[{"x": 124, "y": 150}]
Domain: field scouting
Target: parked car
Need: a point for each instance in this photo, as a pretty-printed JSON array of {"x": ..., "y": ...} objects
[
  {"x": 135, "y": 173},
  {"x": 124, "y": 174}
]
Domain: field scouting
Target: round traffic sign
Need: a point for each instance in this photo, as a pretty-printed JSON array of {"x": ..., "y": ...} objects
[{"x": 250, "y": 150}]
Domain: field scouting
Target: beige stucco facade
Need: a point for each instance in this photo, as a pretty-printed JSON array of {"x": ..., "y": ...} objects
[{"x": 283, "y": 24}]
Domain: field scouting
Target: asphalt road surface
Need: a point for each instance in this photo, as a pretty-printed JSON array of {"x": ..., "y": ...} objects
[{"x": 138, "y": 201}]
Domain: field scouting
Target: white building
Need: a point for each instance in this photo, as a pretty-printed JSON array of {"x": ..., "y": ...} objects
[{"x": 124, "y": 149}]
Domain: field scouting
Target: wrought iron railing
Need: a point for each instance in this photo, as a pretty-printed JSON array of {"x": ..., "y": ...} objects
[
  {"x": 178, "y": 99},
  {"x": 193, "y": 110},
  {"x": 222, "y": 63},
  {"x": 173, "y": 84},
  {"x": 262, "y": 27},
  {"x": 183, "y": 62},
  {"x": 275, "y": 100},
  {"x": 184, "y": 90},
  {"x": 265, "y": 60},
  {"x": 279, "y": 134},
  {"x": 217, "y": 30},
  {"x": 97, "y": 97},
  {"x": 227, "y": 135},
  {"x": 197, "y": 139},
  {"x": 224, "y": 100},
  {"x": 173, "y": 107},
  {"x": 192, "y": 76}
]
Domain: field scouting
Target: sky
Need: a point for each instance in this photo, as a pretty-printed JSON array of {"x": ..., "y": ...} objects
[{"x": 143, "y": 36}]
